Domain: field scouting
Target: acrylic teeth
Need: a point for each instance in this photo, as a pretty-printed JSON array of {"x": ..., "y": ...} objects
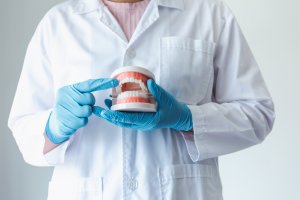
[
  {"x": 131, "y": 80},
  {"x": 127, "y": 94}
]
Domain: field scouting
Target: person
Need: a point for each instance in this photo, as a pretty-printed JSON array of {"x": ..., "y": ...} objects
[{"x": 211, "y": 99}]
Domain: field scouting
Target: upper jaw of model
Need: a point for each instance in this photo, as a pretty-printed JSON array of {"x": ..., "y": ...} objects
[
  {"x": 132, "y": 94},
  {"x": 131, "y": 84},
  {"x": 131, "y": 87}
]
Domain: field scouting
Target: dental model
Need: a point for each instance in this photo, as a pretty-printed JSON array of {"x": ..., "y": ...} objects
[{"x": 132, "y": 93}]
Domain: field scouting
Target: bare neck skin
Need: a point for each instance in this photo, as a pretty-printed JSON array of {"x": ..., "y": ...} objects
[{"x": 125, "y": 1}]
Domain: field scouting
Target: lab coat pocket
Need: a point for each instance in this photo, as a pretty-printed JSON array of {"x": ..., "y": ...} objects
[
  {"x": 186, "y": 67},
  {"x": 190, "y": 181},
  {"x": 75, "y": 189}
]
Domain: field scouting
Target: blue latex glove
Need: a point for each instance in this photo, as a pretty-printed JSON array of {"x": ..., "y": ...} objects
[
  {"x": 72, "y": 108},
  {"x": 170, "y": 113}
]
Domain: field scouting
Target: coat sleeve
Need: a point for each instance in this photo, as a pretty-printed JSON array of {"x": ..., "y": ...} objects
[
  {"x": 242, "y": 112},
  {"x": 34, "y": 99}
]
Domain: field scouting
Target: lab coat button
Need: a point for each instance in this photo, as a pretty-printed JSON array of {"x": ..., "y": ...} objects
[
  {"x": 131, "y": 53},
  {"x": 132, "y": 184}
]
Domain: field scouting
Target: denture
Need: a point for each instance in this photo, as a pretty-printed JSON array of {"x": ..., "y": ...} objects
[{"x": 132, "y": 93}]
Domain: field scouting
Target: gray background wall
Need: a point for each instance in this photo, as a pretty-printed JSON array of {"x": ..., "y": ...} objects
[{"x": 264, "y": 172}]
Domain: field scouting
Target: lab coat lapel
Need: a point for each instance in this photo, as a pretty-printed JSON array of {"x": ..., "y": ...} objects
[
  {"x": 110, "y": 22},
  {"x": 150, "y": 15}
]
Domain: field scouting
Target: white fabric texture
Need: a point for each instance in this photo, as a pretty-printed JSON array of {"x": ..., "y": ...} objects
[{"x": 197, "y": 52}]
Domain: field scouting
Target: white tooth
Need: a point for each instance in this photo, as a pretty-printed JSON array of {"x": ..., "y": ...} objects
[
  {"x": 138, "y": 94},
  {"x": 118, "y": 89},
  {"x": 120, "y": 96},
  {"x": 126, "y": 94},
  {"x": 123, "y": 95},
  {"x": 124, "y": 80},
  {"x": 143, "y": 86},
  {"x": 131, "y": 94},
  {"x": 143, "y": 95},
  {"x": 141, "y": 83}
]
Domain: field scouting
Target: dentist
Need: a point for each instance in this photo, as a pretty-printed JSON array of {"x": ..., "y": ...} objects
[{"x": 211, "y": 99}]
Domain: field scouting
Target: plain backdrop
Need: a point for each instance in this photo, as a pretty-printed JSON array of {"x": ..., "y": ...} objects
[{"x": 269, "y": 171}]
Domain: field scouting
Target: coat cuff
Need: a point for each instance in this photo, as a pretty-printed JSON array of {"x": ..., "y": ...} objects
[
  {"x": 57, "y": 155},
  {"x": 194, "y": 141},
  {"x": 28, "y": 133}
]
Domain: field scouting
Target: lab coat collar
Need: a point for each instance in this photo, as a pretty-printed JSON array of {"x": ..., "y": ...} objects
[
  {"x": 178, "y": 4},
  {"x": 86, "y": 6}
]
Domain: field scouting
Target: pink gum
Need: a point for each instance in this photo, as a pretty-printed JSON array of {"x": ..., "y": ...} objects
[{"x": 135, "y": 75}]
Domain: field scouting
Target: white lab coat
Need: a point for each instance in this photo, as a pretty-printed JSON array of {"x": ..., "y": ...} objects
[{"x": 197, "y": 52}]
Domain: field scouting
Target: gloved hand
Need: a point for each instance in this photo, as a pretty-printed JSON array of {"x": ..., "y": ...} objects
[
  {"x": 170, "y": 113},
  {"x": 72, "y": 108}
]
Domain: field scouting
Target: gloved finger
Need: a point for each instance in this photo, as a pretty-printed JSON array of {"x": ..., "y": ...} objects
[
  {"x": 140, "y": 127},
  {"x": 136, "y": 126},
  {"x": 69, "y": 120},
  {"x": 93, "y": 85},
  {"x": 83, "y": 98},
  {"x": 66, "y": 130},
  {"x": 68, "y": 94},
  {"x": 84, "y": 111},
  {"x": 158, "y": 92},
  {"x": 75, "y": 108},
  {"x": 108, "y": 103},
  {"x": 80, "y": 122},
  {"x": 97, "y": 110},
  {"x": 137, "y": 119},
  {"x": 62, "y": 129},
  {"x": 154, "y": 89},
  {"x": 126, "y": 117},
  {"x": 116, "y": 116},
  {"x": 120, "y": 124}
]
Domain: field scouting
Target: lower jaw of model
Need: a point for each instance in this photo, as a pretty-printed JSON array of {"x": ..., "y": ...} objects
[{"x": 132, "y": 94}]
